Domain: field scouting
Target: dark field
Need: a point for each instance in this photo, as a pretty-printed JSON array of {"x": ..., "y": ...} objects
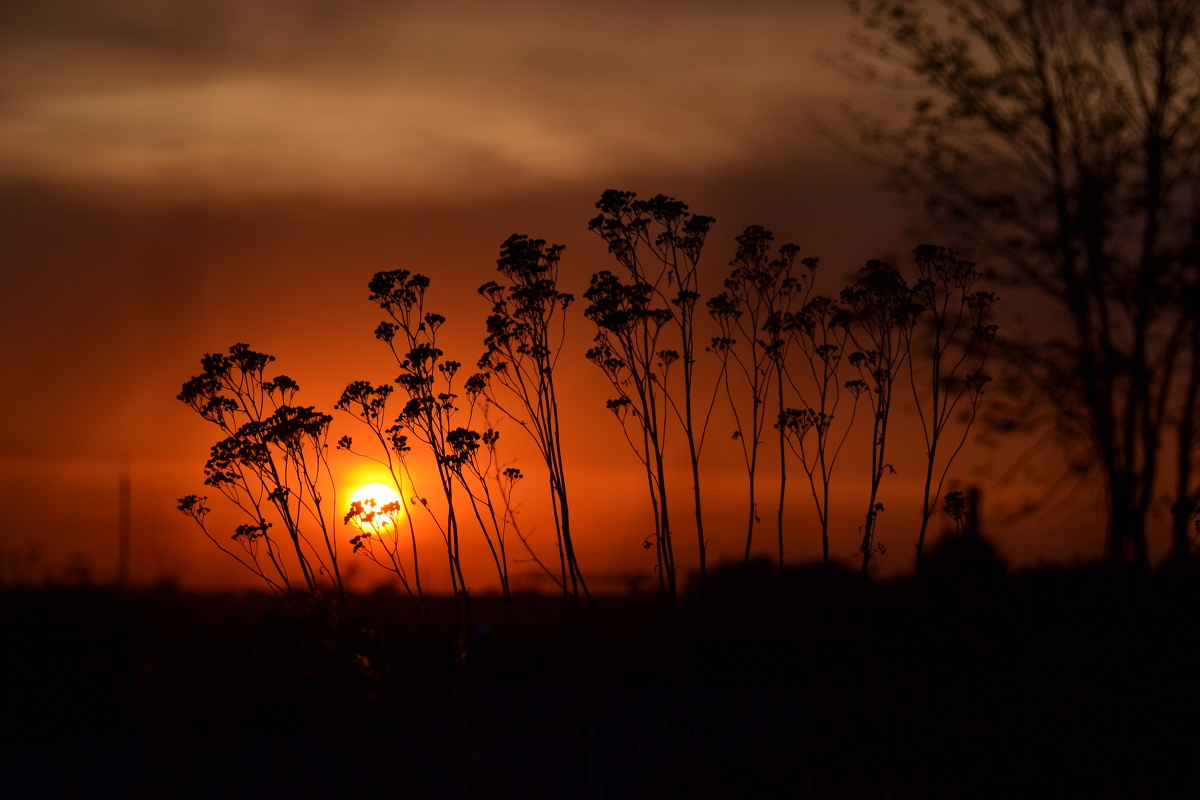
[{"x": 1048, "y": 684}]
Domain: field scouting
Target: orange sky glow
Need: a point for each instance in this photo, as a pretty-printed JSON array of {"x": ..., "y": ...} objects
[{"x": 174, "y": 180}]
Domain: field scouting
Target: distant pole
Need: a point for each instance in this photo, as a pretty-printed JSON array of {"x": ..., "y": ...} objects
[{"x": 123, "y": 527}]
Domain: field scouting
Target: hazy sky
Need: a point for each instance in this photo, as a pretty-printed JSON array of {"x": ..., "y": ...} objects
[{"x": 176, "y": 177}]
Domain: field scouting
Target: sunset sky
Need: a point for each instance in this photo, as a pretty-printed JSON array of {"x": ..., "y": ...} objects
[{"x": 178, "y": 177}]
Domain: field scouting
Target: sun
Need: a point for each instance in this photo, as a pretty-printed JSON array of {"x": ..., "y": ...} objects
[{"x": 374, "y": 497}]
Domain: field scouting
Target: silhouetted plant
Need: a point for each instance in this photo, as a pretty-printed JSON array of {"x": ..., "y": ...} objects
[
  {"x": 378, "y": 539},
  {"x": 505, "y": 479},
  {"x": 525, "y": 333},
  {"x": 820, "y": 331},
  {"x": 759, "y": 293},
  {"x": 880, "y": 315},
  {"x": 956, "y": 507},
  {"x": 474, "y": 462},
  {"x": 626, "y": 351},
  {"x": 273, "y": 465},
  {"x": 958, "y": 337},
  {"x": 426, "y": 383},
  {"x": 658, "y": 242},
  {"x": 368, "y": 403}
]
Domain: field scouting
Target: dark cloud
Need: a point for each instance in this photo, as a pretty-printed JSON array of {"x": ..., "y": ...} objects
[
  {"x": 411, "y": 99},
  {"x": 188, "y": 31}
]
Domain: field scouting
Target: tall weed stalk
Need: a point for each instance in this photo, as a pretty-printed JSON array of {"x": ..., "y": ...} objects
[{"x": 272, "y": 465}]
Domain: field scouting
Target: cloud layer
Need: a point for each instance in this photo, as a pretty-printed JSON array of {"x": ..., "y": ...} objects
[{"x": 405, "y": 99}]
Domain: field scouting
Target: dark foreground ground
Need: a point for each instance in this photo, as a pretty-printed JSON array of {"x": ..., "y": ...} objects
[{"x": 1050, "y": 684}]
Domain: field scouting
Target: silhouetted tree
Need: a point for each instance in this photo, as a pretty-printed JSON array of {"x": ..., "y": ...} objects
[
  {"x": 1187, "y": 488},
  {"x": 1062, "y": 137}
]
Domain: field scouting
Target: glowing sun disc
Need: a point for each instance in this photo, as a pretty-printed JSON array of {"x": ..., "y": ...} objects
[{"x": 374, "y": 496}]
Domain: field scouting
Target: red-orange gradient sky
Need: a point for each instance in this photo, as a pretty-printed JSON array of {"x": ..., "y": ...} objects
[{"x": 175, "y": 178}]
